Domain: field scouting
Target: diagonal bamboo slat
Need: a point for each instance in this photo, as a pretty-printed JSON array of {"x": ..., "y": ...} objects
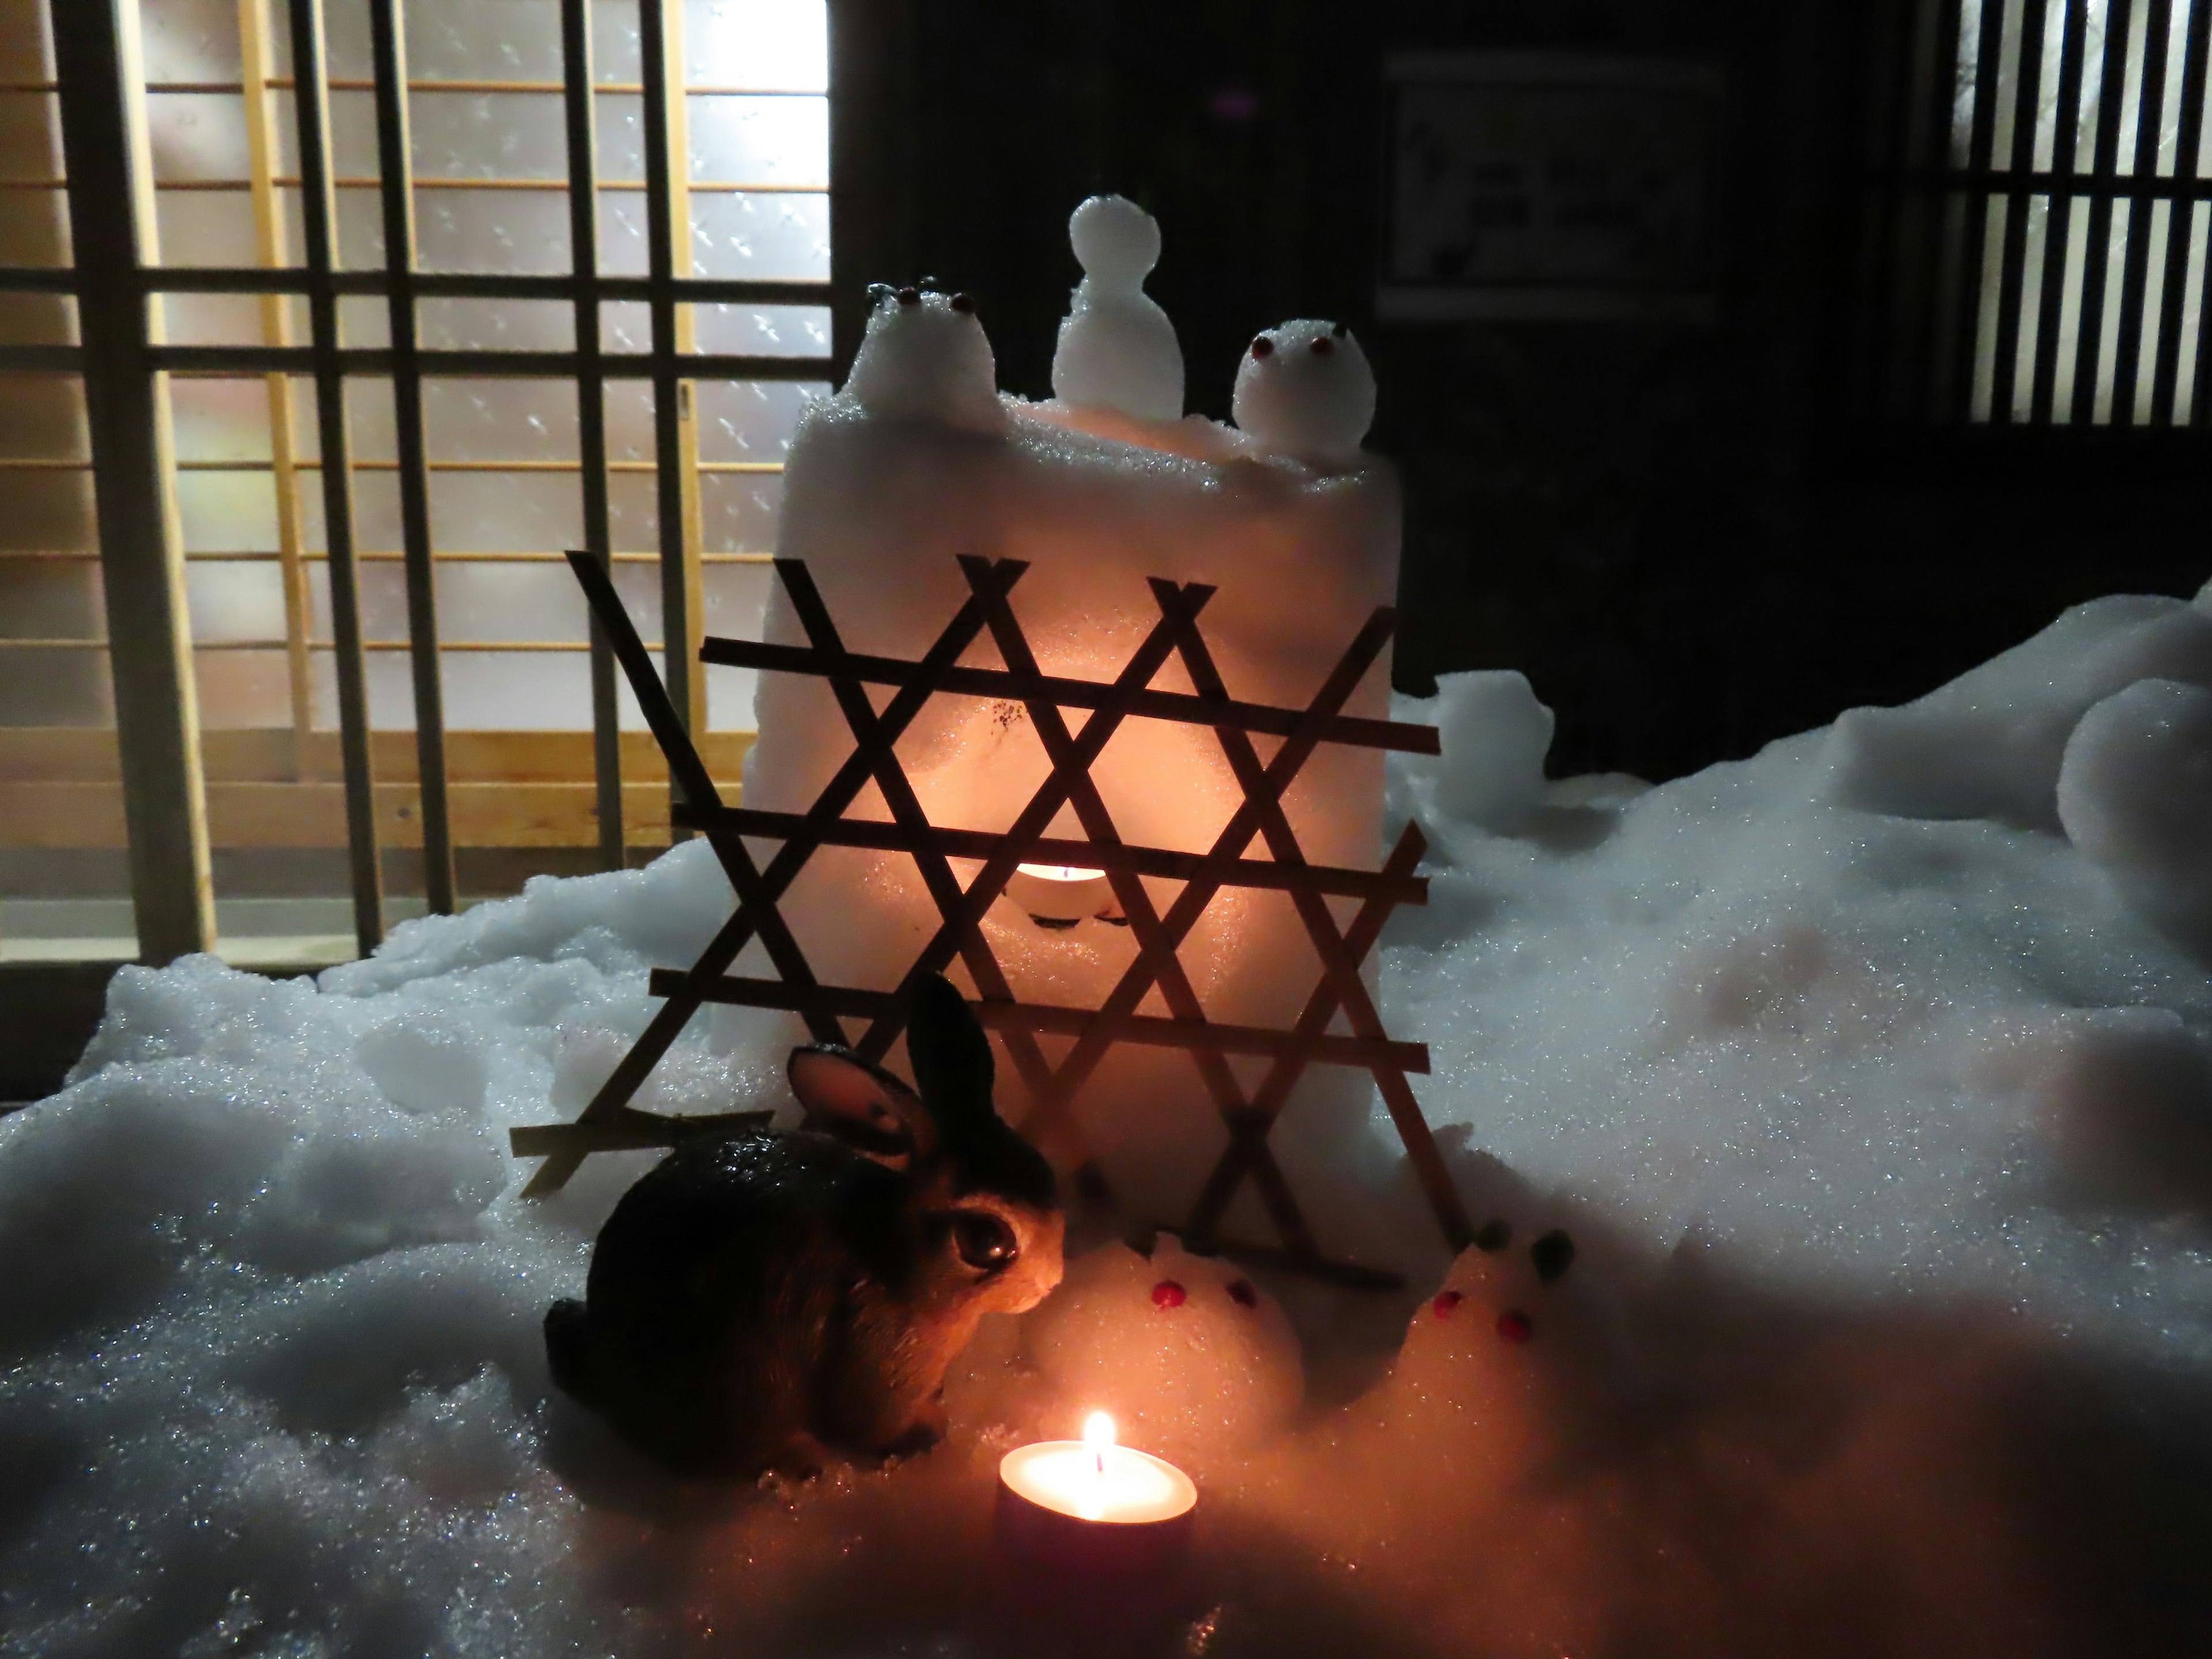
[{"x": 610, "y": 1122}]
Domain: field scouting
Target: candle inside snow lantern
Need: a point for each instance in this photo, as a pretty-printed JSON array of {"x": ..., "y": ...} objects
[
  {"x": 1059, "y": 894},
  {"x": 1091, "y": 1503}
]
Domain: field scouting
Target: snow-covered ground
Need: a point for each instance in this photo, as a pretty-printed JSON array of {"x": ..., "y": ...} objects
[{"x": 1869, "y": 1076}]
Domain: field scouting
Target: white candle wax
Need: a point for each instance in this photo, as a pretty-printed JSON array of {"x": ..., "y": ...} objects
[
  {"x": 1093, "y": 1480},
  {"x": 1059, "y": 893}
]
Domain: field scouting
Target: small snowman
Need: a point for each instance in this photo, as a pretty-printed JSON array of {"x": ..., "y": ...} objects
[
  {"x": 1188, "y": 1355},
  {"x": 1117, "y": 349},
  {"x": 1304, "y": 390},
  {"x": 926, "y": 358}
]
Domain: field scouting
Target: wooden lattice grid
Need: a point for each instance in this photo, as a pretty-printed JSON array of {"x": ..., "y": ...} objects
[{"x": 609, "y": 1122}]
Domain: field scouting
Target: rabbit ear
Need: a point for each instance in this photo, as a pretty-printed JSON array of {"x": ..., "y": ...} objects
[
  {"x": 951, "y": 1056},
  {"x": 862, "y": 1105}
]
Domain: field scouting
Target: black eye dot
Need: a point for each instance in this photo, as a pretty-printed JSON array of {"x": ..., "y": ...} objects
[
  {"x": 964, "y": 305},
  {"x": 983, "y": 1241},
  {"x": 1552, "y": 1254},
  {"x": 1242, "y": 1293},
  {"x": 1263, "y": 347},
  {"x": 1322, "y": 347},
  {"x": 909, "y": 296},
  {"x": 1494, "y": 1237}
]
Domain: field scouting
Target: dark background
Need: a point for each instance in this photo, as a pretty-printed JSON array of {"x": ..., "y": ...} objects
[{"x": 1675, "y": 530}]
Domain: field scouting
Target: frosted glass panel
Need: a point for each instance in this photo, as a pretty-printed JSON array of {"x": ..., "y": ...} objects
[
  {"x": 770, "y": 238},
  {"x": 766, "y": 330},
  {"x": 499, "y": 420},
  {"x": 750, "y": 420},
  {"x": 496, "y": 324},
  {"x": 189, "y": 40},
  {"x": 198, "y": 135},
  {"x": 495, "y": 230},
  {"x": 760, "y": 141},
  {"x": 485, "y": 40},
  {"x": 474, "y": 136},
  {"x": 784, "y": 44},
  {"x": 505, "y": 494}
]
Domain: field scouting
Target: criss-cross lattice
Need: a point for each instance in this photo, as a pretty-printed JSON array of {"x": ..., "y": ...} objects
[{"x": 611, "y": 1123}]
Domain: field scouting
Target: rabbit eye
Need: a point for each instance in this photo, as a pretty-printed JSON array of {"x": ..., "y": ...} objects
[{"x": 983, "y": 1241}]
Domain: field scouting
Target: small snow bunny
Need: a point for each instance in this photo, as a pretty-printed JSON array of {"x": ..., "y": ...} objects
[
  {"x": 755, "y": 1300},
  {"x": 1304, "y": 390}
]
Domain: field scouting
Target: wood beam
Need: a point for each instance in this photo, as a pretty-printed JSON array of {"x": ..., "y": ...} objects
[{"x": 104, "y": 140}]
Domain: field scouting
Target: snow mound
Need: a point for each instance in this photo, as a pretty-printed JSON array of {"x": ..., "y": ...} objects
[
  {"x": 2135, "y": 793},
  {"x": 1881, "y": 1139},
  {"x": 1989, "y": 744}
]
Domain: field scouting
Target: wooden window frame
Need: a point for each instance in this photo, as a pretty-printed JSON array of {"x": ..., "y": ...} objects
[
  {"x": 1917, "y": 344},
  {"x": 125, "y": 364}
]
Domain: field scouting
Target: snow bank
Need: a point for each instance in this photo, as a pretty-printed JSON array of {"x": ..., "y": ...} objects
[{"x": 1882, "y": 1139}]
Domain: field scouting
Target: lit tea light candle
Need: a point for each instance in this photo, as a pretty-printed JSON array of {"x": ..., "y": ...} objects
[
  {"x": 1092, "y": 1503},
  {"x": 1059, "y": 894}
]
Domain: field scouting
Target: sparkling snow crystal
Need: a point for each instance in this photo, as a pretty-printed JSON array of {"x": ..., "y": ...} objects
[{"x": 1877, "y": 1112}]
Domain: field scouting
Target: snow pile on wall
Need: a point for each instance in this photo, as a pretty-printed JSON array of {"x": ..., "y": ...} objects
[{"x": 1882, "y": 1141}]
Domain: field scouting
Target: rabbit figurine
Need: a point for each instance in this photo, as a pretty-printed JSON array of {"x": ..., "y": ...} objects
[{"x": 755, "y": 1300}]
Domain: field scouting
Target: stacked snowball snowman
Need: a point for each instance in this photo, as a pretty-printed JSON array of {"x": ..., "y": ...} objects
[{"x": 1117, "y": 349}]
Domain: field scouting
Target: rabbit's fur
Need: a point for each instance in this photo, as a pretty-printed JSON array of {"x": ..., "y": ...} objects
[{"x": 756, "y": 1299}]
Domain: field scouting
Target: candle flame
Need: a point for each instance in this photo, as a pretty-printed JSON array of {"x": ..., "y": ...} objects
[
  {"x": 1097, "y": 1431},
  {"x": 1060, "y": 872}
]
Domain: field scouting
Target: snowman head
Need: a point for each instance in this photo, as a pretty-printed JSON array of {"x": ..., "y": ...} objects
[
  {"x": 926, "y": 358},
  {"x": 1304, "y": 390},
  {"x": 1117, "y": 243}
]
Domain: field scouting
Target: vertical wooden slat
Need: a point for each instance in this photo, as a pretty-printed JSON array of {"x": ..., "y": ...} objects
[
  {"x": 2183, "y": 225},
  {"x": 258, "y": 70},
  {"x": 2012, "y": 278},
  {"x": 2127, "y": 349},
  {"x": 318, "y": 231},
  {"x": 2057, "y": 243},
  {"x": 2104, "y": 168},
  {"x": 1965, "y": 342},
  {"x": 110, "y": 205},
  {"x": 395, "y": 166},
  {"x": 591, "y": 408},
  {"x": 1923, "y": 292},
  {"x": 1891, "y": 78},
  {"x": 2200, "y": 412},
  {"x": 687, "y": 341},
  {"x": 662, "y": 71}
]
